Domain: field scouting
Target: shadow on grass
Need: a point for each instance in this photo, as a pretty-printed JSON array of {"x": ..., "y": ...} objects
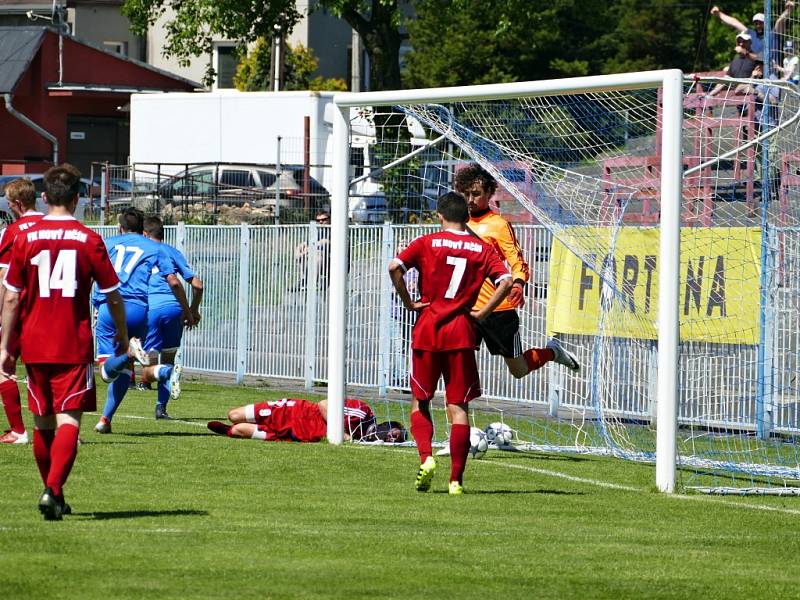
[
  {"x": 135, "y": 514},
  {"x": 471, "y": 492},
  {"x": 149, "y": 434},
  {"x": 558, "y": 457}
]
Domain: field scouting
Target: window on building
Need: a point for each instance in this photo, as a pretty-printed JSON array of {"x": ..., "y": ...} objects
[
  {"x": 120, "y": 48},
  {"x": 225, "y": 65}
]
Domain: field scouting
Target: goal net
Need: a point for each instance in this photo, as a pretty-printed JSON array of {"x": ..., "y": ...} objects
[{"x": 579, "y": 167}]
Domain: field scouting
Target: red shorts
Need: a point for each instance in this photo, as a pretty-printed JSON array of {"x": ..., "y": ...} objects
[
  {"x": 458, "y": 367},
  {"x": 60, "y": 388}
]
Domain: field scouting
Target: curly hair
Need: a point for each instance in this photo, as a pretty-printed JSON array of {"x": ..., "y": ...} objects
[{"x": 471, "y": 173}]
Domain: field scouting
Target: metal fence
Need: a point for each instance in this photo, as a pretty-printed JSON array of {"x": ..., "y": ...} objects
[{"x": 265, "y": 313}]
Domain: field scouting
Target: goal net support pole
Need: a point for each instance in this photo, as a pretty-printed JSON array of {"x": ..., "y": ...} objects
[
  {"x": 669, "y": 249},
  {"x": 670, "y": 81}
]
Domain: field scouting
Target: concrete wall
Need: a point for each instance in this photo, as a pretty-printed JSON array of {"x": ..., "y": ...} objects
[{"x": 101, "y": 24}]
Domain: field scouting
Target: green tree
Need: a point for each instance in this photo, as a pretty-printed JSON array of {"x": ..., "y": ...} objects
[
  {"x": 462, "y": 42},
  {"x": 196, "y": 23},
  {"x": 253, "y": 73}
]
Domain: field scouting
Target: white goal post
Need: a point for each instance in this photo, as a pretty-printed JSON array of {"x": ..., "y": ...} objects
[{"x": 670, "y": 83}]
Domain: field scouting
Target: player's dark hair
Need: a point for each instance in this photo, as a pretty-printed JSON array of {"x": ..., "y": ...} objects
[
  {"x": 453, "y": 207},
  {"x": 132, "y": 220},
  {"x": 362, "y": 429},
  {"x": 61, "y": 184},
  {"x": 391, "y": 432},
  {"x": 471, "y": 173},
  {"x": 22, "y": 191},
  {"x": 154, "y": 227}
]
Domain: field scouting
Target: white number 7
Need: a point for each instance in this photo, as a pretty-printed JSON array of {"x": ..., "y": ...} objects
[{"x": 460, "y": 265}]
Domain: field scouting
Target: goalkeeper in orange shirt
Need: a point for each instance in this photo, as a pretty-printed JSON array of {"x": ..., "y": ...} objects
[{"x": 500, "y": 330}]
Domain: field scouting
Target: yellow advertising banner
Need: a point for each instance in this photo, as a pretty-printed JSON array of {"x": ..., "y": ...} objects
[{"x": 719, "y": 284}]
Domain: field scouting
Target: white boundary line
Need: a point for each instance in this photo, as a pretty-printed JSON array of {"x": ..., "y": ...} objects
[{"x": 628, "y": 488}]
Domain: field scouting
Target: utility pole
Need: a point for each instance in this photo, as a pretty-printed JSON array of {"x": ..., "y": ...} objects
[{"x": 355, "y": 62}]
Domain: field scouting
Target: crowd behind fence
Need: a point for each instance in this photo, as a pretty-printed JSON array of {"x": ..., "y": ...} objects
[{"x": 265, "y": 313}]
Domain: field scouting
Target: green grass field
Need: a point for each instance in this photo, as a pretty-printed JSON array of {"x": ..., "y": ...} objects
[{"x": 169, "y": 510}]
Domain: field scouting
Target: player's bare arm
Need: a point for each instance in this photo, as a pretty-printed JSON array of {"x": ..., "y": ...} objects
[
  {"x": 8, "y": 363},
  {"x": 116, "y": 308},
  {"x": 180, "y": 295},
  {"x": 197, "y": 297},
  {"x": 502, "y": 288},
  {"x": 3, "y": 272},
  {"x": 396, "y": 272}
]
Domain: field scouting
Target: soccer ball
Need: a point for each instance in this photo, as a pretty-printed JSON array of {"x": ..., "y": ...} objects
[
  {"x": 499, "y": 434},
  {"x": 478, "y": 445}
]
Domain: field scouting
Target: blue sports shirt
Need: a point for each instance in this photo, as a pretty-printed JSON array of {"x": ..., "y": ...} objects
[
  {"x": 159, "y": 293},
  {"x": 134, "y": 257}
]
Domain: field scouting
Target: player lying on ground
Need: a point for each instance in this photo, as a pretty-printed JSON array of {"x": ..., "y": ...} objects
[
  {"x": 298, "y": 420},
  {"x": 452, "y": 265}
]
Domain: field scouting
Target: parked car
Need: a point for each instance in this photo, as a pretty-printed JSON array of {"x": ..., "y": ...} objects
[
  {"x": 86, "y": 189},
  {"x": 369, "y": 208},
  {"x": 256, "y": 185}
]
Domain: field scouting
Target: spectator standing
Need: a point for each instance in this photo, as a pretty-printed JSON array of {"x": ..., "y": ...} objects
[
  {"x": 322, "y": 247},
  {"x": 756, "y": 32}
]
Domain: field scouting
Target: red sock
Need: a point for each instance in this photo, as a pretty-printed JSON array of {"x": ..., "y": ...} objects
[
  {"x": 42, "y": 441},
  {"x": 62, "y": 456},
  {"x": 12, "y": 405},
  {"x": 422, "y": 430},
  {"x": 538, "y": 357},
  {"x": 459, "y": 450}
]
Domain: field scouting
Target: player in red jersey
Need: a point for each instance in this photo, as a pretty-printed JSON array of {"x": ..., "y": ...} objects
[
  {"x": 452, "y": 266},
  {"x": 298, "y": 420},
  {"x": 48, "y": 285},
  {"x": 21, "y": 197}
]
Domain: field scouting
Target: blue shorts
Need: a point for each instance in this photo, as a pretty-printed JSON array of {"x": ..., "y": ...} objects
[
  {"x": 136, "y": 317},
  {"x": 164, "y": 328}
]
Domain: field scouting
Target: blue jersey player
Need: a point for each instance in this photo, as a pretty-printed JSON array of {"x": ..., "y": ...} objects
[
  {"x": 165, "y": 319},
  {"x": 134, "y": 257}
]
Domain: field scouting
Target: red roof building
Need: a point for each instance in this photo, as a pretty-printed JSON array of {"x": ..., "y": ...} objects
[{"x": 65, "y": 100}]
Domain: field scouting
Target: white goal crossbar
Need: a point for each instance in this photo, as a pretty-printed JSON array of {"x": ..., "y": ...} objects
[{"x": 671, "y": 84}]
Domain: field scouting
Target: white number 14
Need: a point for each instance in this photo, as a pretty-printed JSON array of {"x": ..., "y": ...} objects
[{"x": 61, "y": 277}]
